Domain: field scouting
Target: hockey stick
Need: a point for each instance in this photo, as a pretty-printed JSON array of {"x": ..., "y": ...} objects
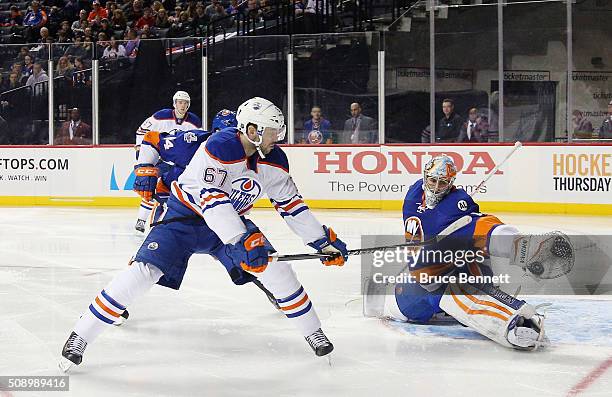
[
  {"x": 517, "y": 145},
  {"x": 450, "y": 229}
]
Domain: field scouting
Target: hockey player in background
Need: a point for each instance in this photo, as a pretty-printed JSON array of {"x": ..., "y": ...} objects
[
  {"x": 431, "y": 205},
  {"x": 165, "y": 120},
  {"x": 174, "y": 150},
  {"x": 221, "y": 183}
]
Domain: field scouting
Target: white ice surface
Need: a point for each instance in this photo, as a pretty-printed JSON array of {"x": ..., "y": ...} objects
[{"x": 212, "y": 338}]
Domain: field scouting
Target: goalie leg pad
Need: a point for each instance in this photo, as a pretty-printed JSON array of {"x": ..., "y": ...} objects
[{"x": 491, "y": 312}]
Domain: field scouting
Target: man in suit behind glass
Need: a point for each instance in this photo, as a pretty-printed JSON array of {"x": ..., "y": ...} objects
[{"x": 360, "y": 128}]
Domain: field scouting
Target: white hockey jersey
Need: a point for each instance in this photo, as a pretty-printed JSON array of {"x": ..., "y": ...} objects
[
  {"x": 221, "y": 183},
  {"x": 165, "y": 121}
]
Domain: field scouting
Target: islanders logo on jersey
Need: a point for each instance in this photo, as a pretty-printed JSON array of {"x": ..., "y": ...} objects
[
  {"x": 413, "y": 229},
  {"x": 315, "y": 137},
  {"x": 245, "y": 191}
]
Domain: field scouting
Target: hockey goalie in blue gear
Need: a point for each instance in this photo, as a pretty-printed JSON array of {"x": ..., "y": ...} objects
[{"x": 431, "y": 205}]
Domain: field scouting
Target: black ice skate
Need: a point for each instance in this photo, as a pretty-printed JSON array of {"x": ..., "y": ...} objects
[
  {"x": 319, "y": 343},
  {"x": 72, "y": 352},
  {"x": 140, "y": 226}
]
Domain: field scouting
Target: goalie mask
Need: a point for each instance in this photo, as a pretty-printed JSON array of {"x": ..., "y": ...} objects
[
  {"x": 438, "y": 178},
  {"x": 265, "y": 116}
]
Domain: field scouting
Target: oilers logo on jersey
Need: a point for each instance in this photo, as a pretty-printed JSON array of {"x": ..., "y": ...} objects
[{"x": 245, "y": 191}]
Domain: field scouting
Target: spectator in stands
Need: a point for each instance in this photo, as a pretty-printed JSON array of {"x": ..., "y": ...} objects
[
  {"x": 146, "y": 33},
  {"x": 359, "y": 128},
  {"x": 147, "y": 19},
  {"x": 131, "y": 47},
  {"x": 64, "y": 68},
  {"x": 36, "y": 17},
  {"x": 299, "y": 7},
  {"x": 583, "y": 128},
  {"x": 80, "y": 25},
  {"x": 23, "y": 52},
  {"x": 201, "y": 18},
  {"x": 81, "y": 77},
  {"x": 34, "y": 81},
  {"x": 181, "y": 26},
  {"x": 449, "y": 126},
  {"x": 54, "y": 19},
  {"x": 156, "y": 7},
  {"x": 74, "y": 131},
  {"x": 77, "y": 50},
  {"x": 88, "y": 36},
  {"x": 102, "y": 40},
  {"x": 17, "y": 68},
  {"x": 474, "y": 129},
  {"x": 317, "y": 129},
  {"x": 233, "y": 8},
  {"x": 65, "y": 32},
  {"x": 14, "y": 81},
  {"x": 106, "y": 28},
  {"x": 210, "y": 9},
  {"x": 118, "y": 22},
  {"x": 97, "y": 12},
  {"x": 135, "y": 12},
  {"x": 161, "y": 20},
  {"x": 251, "y": 10},
  {"x": 111, "y": 6},
  {"x": 177, "y": 14},
  {"x": 114, "y": 50},
  {"x": 267, "y": 11},
  {"x": 70, "y": 10},
  {"x": 44, "y": 35},
  {"x": 220, "y": 13},
  {"x": 15, "y": 18},
  {"x": 28, "y": 66},
  {"x": 605, "y": 131}
]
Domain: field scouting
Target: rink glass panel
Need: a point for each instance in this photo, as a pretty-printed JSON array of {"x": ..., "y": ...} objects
[
  {"x": 132, "y": 88},
  {"x": 333, "y": 71},
  {"x": 407, "y": 82},
  {"x": 72, "y": 88},
  {"x": 592, "y": 73},
  {"x": 24, "y": 110},
  {"x": 535, "y": 72},
  {"x": 466, "y": 61},
  {"x": 243, "y": 67}
]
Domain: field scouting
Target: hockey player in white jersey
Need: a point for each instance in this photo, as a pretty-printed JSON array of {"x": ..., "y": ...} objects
[
  {"x": 166, "y": 120},
  {"x": 433, "y": 204},
  {"x": 226, "y": 176}
]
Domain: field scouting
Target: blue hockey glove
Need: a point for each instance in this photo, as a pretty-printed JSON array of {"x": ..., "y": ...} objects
[
  {"x": 331, "y": 244},
  {"x": 253, "y": 250},
  {"x": 146, "y": 180}
]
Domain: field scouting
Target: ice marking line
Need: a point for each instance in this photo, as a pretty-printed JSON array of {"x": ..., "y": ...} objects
[{"x": 588, "y": 380}]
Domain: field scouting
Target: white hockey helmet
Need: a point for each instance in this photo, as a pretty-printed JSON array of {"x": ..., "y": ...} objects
[
  {"x": 262, "y": 114},
  {"x": 181, "y": 95},
  {"x": 438, "y": 177}
]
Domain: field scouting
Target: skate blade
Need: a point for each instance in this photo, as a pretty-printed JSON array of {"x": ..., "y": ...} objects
[
  {"x": 65, "y": 365},
  {"x": 329, "y": 360},
  {"x": 120, "y": 321}
]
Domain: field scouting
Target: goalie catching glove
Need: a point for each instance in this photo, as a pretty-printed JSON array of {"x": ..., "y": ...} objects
[
  {"x": 146, "y": 180},
  {"x": 332, "y": 245},
  {"x": 252, "y": 252},
  {"x": 543, "y": 256}
]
